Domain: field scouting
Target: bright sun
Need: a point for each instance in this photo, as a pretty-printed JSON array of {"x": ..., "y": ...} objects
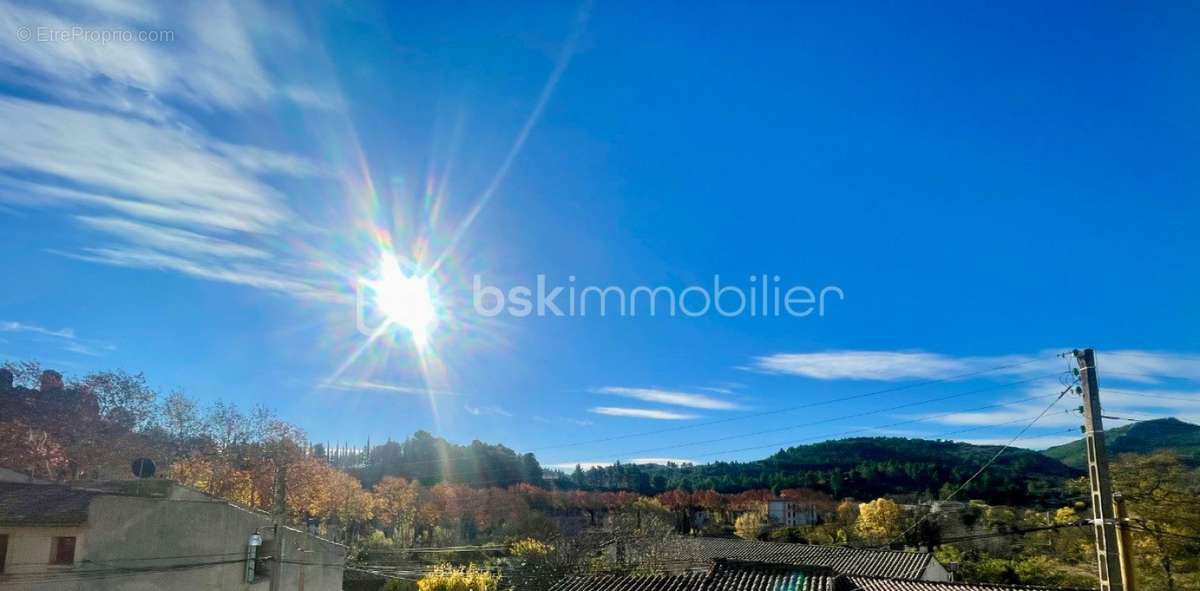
[{"x": 406, "y": 300}]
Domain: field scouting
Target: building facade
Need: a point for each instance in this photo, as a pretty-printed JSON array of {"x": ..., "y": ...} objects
[
  {"x": 786, "y": 513},
  {"x": 150, "y": 535}
]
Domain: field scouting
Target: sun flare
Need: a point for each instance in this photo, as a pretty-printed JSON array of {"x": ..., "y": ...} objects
[{"x": 408, "y": 301}]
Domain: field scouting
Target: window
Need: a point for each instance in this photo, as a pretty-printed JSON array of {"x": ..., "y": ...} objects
[
  {"x": 3, "y": 550},
  {"x": 62, "y": 550}
]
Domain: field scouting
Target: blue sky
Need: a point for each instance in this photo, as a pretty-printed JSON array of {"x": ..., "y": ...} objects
[{"x": 986, "y": 185}]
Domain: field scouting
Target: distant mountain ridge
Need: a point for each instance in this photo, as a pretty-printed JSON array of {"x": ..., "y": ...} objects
[
  {"x": 1142, "y": 437},
  {"x": 863, "y": 467}
]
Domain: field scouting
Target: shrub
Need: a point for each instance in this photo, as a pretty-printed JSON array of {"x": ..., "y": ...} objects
[
  {"x": 529, "y": 547},
  {"x": 749, "y": 526},
  {"x": 446, "y": 577}
]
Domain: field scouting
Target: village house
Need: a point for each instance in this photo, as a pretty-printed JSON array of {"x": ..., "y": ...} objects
[
  {"x": 151, "y": 534},
  {"x": 788, "y": 513}
]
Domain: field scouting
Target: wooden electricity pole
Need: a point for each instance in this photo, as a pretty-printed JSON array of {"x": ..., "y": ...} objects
[
  {"x": 1103, "y": 520},
  {"x": 1124, "y": 543}
]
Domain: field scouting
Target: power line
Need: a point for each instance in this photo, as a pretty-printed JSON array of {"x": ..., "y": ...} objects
[
  {"x": 987, "y": 464},
  {"x": 837, "y": 434},
  {"x": 1158, "y": 356},
  {"x": 106, "y": 572},
  {"x": 1014, "y": 532},
  {"x": 838, "y": 418},
  {"x": 1160, "y": 532},
  {"x": 629, "y": 455},
  {"x": 747, "y": 416},
  {"x": 854, "y": 431},
  {"x": 885, "y": 426},
  {"x": 1122, "y": 392}
]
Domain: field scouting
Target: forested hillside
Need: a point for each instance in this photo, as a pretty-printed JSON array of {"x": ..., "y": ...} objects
[
  {"x": 1143, "y": 437},
  {"x": 430, "y": 460},
  {"x": 862, "y": 468}
]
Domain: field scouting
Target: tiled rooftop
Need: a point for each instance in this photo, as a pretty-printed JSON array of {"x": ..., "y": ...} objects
[
  {"x": 857, "y": 583},
  {"x": 43, "y": 504},
  {"x": 740, "y": 576},
  {"x": 720, "y": 577},
  {"x": 853, "y": 561}
]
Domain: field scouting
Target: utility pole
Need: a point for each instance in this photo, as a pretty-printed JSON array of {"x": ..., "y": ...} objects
[
  {"x": 1103, "y": 520},
  {"x": 279, "y": 514},
  {"x": 1124, "y": 543}
]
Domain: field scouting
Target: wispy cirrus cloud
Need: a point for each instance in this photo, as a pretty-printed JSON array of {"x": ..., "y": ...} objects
[
  {"x": 1126, "y": 403},
  {"x": 879, "y": 365},
  {"x": 375, "y": 386},
  {"x": 63, "y": 338},
  {"x": 172, "y": 239},
  {"x": 487, "y": 410},
  {"x": 1147, "y": 366},
  {"x": 13, "y": 326},
  {"x": 108, "y": 130},
  {"x": 563, "y": 420},
  {"x": 671, "y": 397},
  {"x": 642, "y": 413},
  {"x": 1033, "y": 442},
  {"x": 140, "y": 161},
  {"x": 860, "y": 365},
  {"x": 226, "y": 272},
  {"x": 209, "y": 60}
]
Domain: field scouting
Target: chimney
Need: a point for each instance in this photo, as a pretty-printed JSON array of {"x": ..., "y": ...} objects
[{"x": 51, "y": 380}]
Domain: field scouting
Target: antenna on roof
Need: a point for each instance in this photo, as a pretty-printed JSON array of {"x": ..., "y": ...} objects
[{"x": 143, "y": 468}]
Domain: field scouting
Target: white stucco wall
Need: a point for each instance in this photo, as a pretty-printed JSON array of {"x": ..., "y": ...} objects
[{"x": 145, "y": 544}]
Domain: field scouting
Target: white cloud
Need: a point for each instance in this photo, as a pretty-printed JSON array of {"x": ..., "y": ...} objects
[
  {"x": 12, "y": 326},
  {"x": 670, "y": 397},
  {"x": 569, "y": 421},
  {"x": 369, "y": 385},
  {"x": 1175, "y": 400},
  {"x": 1129, "y": 365},
  {"x": 1034, "y": 442},
  {"x": 171, "y": 239},
  {"x": 209, "y": 59},
  {"x": 1140, "y": 404},
  {"x": 861, "y": 365},
  {"x": 486, "y": 410},
  {"x": 1009, "y": 414},
  {"x": 119, "y": 145},
  {"x": 146, "y": 162},
  {"x": 642, "y": 413},
  {"x": 236, "y": 273},
  {"x": 64, "y": 338},
  {"x": 1147, "y": 366}
]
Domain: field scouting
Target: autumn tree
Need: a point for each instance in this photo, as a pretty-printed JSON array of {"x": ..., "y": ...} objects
[
  {"x": 749, "y": 526},
  {"x": 396, "y": 508},
  {"x": 879, "y": 520},
  {"x": 124, "y": 399},
  {"x": 1160, "y": 493},
  {"x": 179, "y": 418}
]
